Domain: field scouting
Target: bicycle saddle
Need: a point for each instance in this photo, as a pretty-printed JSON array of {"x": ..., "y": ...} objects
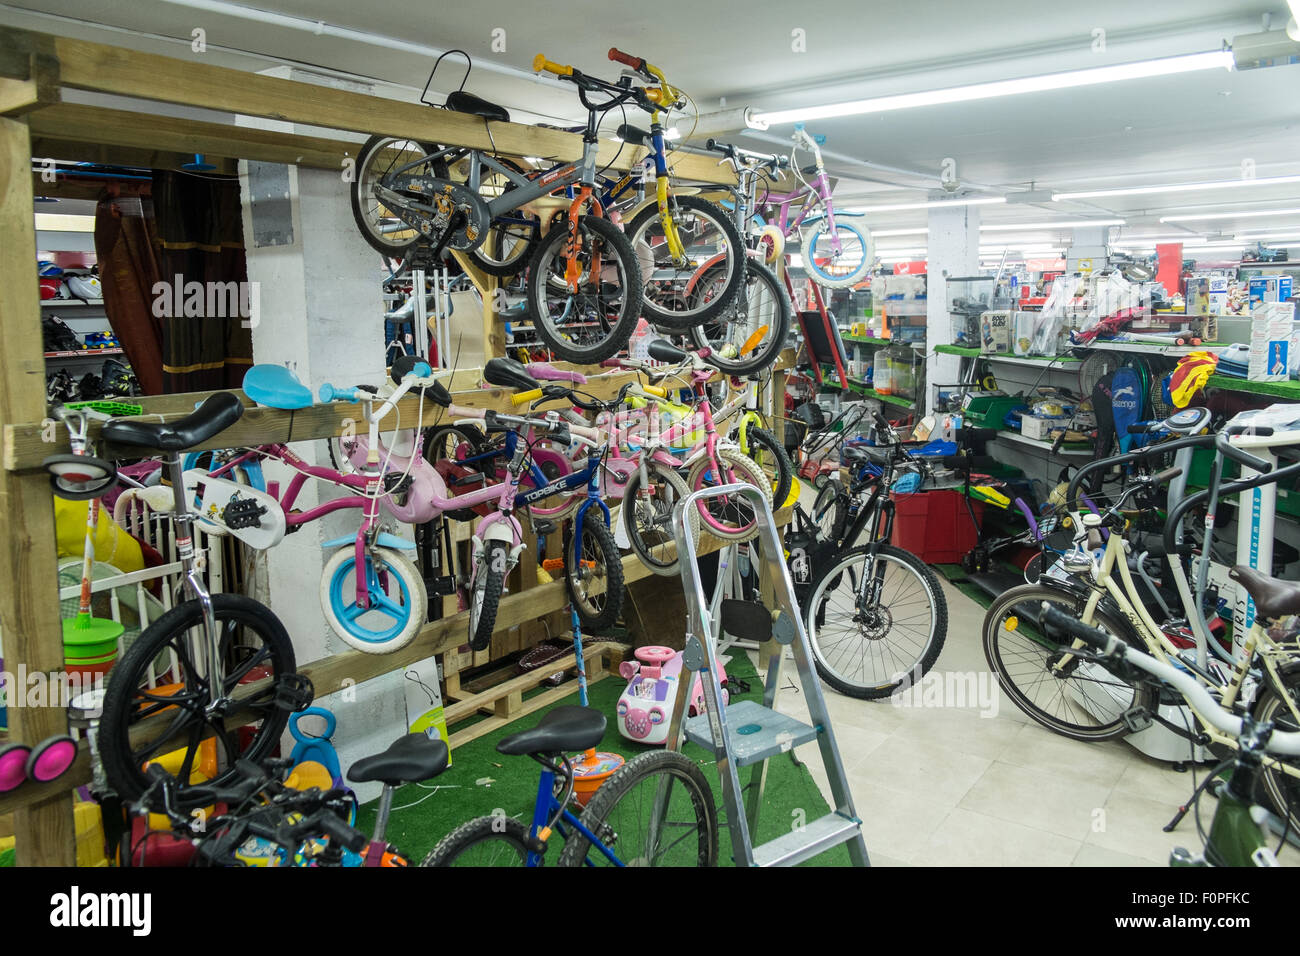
[
  {"x": 507, "y": 373},
  {"x": 408, "y": 759},
  {"x": 462, "y": 102},
  {"x": 1273, "y": 598},
  {"x": 214, "y": 416},
  {"x": 634, "y": 135},
  {"x": 565, "y": 728},
  {"x": 276, "y": 387}
]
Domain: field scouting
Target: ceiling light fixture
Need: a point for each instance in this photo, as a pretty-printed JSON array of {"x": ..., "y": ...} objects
[
  {"x": 1064, "y": 224},
  {"x": 934, "y": 204},
  {"x": 1165, "y": 66},
  {"x": 882, "y": 233},
  {"x": 1178, "y": 188},
  {"x": 1265, "y": 236},
  {"x": 1240, "y": 214}
]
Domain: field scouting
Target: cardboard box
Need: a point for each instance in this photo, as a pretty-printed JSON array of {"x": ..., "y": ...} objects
[
  {"x": 1275, "y": 288},
  {"x": 1039, "y": 429},
  {"x": 1271, "y": 327},
  {"x": 424, "y": 713},
  {"x": 995, "y": 332}
]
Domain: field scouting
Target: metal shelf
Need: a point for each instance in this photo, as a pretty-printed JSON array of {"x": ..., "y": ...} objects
[{"x": 1065, "y": 451}]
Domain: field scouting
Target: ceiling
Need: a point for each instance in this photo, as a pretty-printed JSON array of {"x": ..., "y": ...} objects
[{"x": 1194, "y": 127}]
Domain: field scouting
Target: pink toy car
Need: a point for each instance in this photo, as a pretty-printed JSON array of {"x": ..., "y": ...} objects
[{"x": 646, "y": 704}]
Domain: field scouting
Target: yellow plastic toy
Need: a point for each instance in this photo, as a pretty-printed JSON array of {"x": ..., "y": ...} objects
[{"x": 112, "y": 544}]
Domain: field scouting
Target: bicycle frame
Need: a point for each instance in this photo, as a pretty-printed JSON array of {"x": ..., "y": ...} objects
[{"x": 544, "y": 809}]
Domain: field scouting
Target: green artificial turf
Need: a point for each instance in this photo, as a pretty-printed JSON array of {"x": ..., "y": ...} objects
[{"x": 422, "y": 815}]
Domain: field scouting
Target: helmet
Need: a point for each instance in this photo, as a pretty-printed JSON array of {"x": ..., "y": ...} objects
[
  {"x": 47, "y": 268},
  {"x": 85, "y": 287},
  {"x": 52, "y": 288}
]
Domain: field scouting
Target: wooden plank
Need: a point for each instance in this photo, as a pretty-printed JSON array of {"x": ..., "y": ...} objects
[
  {"x": 72, "y": 124},
  {"x": 24, "y": 445},
  {"x": 34, "y": 86},
  {"x": 29, "y": 612},
  {"x": 108, "y": 69},
  {"x": 527, "y": 681}
]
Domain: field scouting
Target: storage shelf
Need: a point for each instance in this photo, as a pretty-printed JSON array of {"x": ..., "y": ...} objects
[
  {"x": 868, "y": 340},
  {"x": 1289, "y": 389},
  {"x": 83, "y": 353},
  {"x": 866, "y": 391},
  {"x": 71, "y": 303},
  {"x": 1044, "y": 446}
]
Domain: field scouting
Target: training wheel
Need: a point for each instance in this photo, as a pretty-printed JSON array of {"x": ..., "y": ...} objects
[
  {"x": 80, "y": 477},
  {"x": 51, "y": 758},
  {"x": 13, "y": 766},
  {"x": 654, "y": 654}
]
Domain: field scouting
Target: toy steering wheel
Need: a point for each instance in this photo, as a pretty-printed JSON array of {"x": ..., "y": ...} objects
[{"x": 654, "y": 654}]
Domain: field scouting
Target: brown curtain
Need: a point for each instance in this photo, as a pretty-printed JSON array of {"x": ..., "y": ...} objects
[
  {"x": 127, "y": 252},
  {"x": 201, "y": 234}
]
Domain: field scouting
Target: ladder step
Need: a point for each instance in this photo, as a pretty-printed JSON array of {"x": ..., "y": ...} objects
[
  {"x": 799, "y": 845},
  {"x": 754, "y": 733}
]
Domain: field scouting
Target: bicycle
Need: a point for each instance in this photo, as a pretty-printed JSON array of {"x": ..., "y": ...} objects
[
  {"x": 1084, "y": 702},
  {"x": 584, "y": 281},
  {"x": 875, "y": 614},
  {"x": 835, "y": 253},
  {"x": 215, "y": 667},
  {"x": 655, "y": 810},
  {"x": 1237, "y": 834}
]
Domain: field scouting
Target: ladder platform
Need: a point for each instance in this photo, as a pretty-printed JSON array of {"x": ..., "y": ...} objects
[
  {"x": 754, "y": 732},
  {"x": 816, "y": 837}
]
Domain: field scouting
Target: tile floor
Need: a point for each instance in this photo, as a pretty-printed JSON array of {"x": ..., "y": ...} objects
[{"x": 942, "y": 786}]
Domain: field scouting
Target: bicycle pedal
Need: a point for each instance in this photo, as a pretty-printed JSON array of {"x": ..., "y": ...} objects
[
  {"x": 1136, "y": 719},
  {"x": 294, "y": 692},
  {"x": 543, "y": 526}
]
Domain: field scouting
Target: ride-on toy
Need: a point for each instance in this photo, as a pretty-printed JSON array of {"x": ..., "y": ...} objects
[{"x": 647, "y": 701}]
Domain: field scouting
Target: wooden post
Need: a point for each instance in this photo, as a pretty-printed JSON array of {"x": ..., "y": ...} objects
[{"x": 29, "y": 611}]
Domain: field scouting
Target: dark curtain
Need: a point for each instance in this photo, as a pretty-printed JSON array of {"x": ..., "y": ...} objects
[
  {"x": 201, "y": 234},
  {"x": 127, "y": 251}
]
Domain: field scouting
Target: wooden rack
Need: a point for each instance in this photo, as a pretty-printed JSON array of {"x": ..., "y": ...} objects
[{"x": 35, "y": 69}]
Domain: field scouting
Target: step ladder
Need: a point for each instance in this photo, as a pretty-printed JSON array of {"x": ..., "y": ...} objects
[{"x": 747, "y": 734}]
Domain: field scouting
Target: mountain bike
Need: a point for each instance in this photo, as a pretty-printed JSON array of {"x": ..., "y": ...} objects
[
  {"x": 1237, "y": 835},
  {"x": 655, "y": 810},
  {"x": 584, "y": 282},
  {"x": 875, "y": 614},
  {"x": 835, "y": 253}
]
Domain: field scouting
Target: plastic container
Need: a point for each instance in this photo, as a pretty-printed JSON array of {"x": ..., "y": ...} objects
[
  {"x": 882, "y": 378},
  {"x": 934, "y": 525}
]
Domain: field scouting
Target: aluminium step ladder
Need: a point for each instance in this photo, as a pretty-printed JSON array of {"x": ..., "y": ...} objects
[{"x": 747, "y": 734}]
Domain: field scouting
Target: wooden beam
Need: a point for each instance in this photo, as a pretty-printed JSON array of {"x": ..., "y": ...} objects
[
  {"x": 25, "y": 447},
  {"x": 76, "y": 127},
  {"x": 107, "y": 69},
  {"x": 29, "y": 610},
  {"x": 36, "y": 86}
]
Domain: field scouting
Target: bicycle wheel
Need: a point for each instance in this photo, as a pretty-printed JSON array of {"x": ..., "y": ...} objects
[
  {"x": 163, "y": 673},
  {"x": 648, "y": 517},
  {"x": 748, "y": 334},
  {"x": 379, "y": 226},
  {"x": 870, "y": 649},
  {"x": 485, "y": 595},
  {"x": 830, "y": 511},
  {"x": 656, "y": 810},
  {"x": 769, "y": 454},
  {"x": 483, "y": 841},
  {"x": 595, "y": 586},
  {"x": 1276, "y": 787},
  {"x": 731, "y": 519},
  {"x": 590, "y": 325},
  {"x": 1081, "y": 700},
  {"x": 837, "y": 270},
  {"x": 678, "y": 294},
  {"x": 398, "y": 608}
]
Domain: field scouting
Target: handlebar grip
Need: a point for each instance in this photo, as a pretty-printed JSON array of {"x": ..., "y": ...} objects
[
  {"x": 1052, "y": 618},
  {"x": 1244, "y": 458},
  {"x": 611, "y": 363},
  {"x": 656, "y": 390},
  {"x": 336, "y": 393},
  {"x": 1166, "y": 476},
  {"x": 1144, "y": 428},
  {"x": 627, "y": 59},
  {"x": 540, "y": 63},
  {"x": 523, "y": 398}
]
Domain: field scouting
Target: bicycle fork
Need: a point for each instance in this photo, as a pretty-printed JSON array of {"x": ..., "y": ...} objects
[{"x": 195, "y": 589}]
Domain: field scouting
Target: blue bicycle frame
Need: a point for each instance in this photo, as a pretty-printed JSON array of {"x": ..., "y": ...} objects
[{"x": 544, "y": 809}]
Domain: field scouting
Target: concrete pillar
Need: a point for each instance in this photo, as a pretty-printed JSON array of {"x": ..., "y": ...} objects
[
  {"x": 318, "y": 287},
  {"x": 954, "y": 240},
  {"x": 1090, "y": 245}
]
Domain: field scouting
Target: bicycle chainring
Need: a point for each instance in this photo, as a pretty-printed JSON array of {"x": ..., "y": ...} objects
[{"x": 440, "y": 200}]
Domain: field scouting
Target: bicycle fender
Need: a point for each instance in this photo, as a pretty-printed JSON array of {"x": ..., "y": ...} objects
[{"x": 1106, "y": 606}]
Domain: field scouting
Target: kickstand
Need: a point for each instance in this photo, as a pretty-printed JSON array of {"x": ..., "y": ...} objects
[{"x": 1186, "y": 807}]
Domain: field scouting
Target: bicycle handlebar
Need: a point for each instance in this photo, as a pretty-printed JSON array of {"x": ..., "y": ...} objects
[
  {"x": 627, "y": 59},
  {"x": 1139, "y": 454},
  {"x": 1228, "y": 450},
  {"x": 736, "y": 153},
  {"x": 540, "y": 64},
  {"x": 337, "y": 393},
  {"x": 1281, "y": 742}
]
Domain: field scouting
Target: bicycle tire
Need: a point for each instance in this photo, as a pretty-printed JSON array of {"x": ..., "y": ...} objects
[
  {"x": 407, "y": 607},
  {"x": 644, "y": 249},
  {"x": 507, "y": 834},
  {"x": 1276, "y": 788},
  {"x": 435, "y": 445},
  {"x": 124, "y": 706},
  {"x": 719, "y": 334},
  {"x": 648, "y": 518},
  {"x": 616, "y": 333},
  {"x": 622, "y": 785},
  {"x": 831, "y": 656},
  {"x": 595, "y": 613},
  {"x": 722, "y": 518},
  {"x": 764, "y": 448},
  {"x": 808, "y": 248},
  {"x": 1031, "y": 595},
  {"x": 369, "y": 150},
  {"x": 830, "y": 511},
  {"x": 492, "y": 572}
]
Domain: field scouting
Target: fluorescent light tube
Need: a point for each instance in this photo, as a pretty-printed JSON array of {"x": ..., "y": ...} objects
[
  {"x": 1241, "y": 214},
  {"x": 1065, "y": 224},
  {"x": 55, "y": 222},
  {"x": 882, "y": 233},
  {"x": 935, "y": 204},
  {"x": 1178, "y": 188},
  {"x": 1166, "y": 66}
]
